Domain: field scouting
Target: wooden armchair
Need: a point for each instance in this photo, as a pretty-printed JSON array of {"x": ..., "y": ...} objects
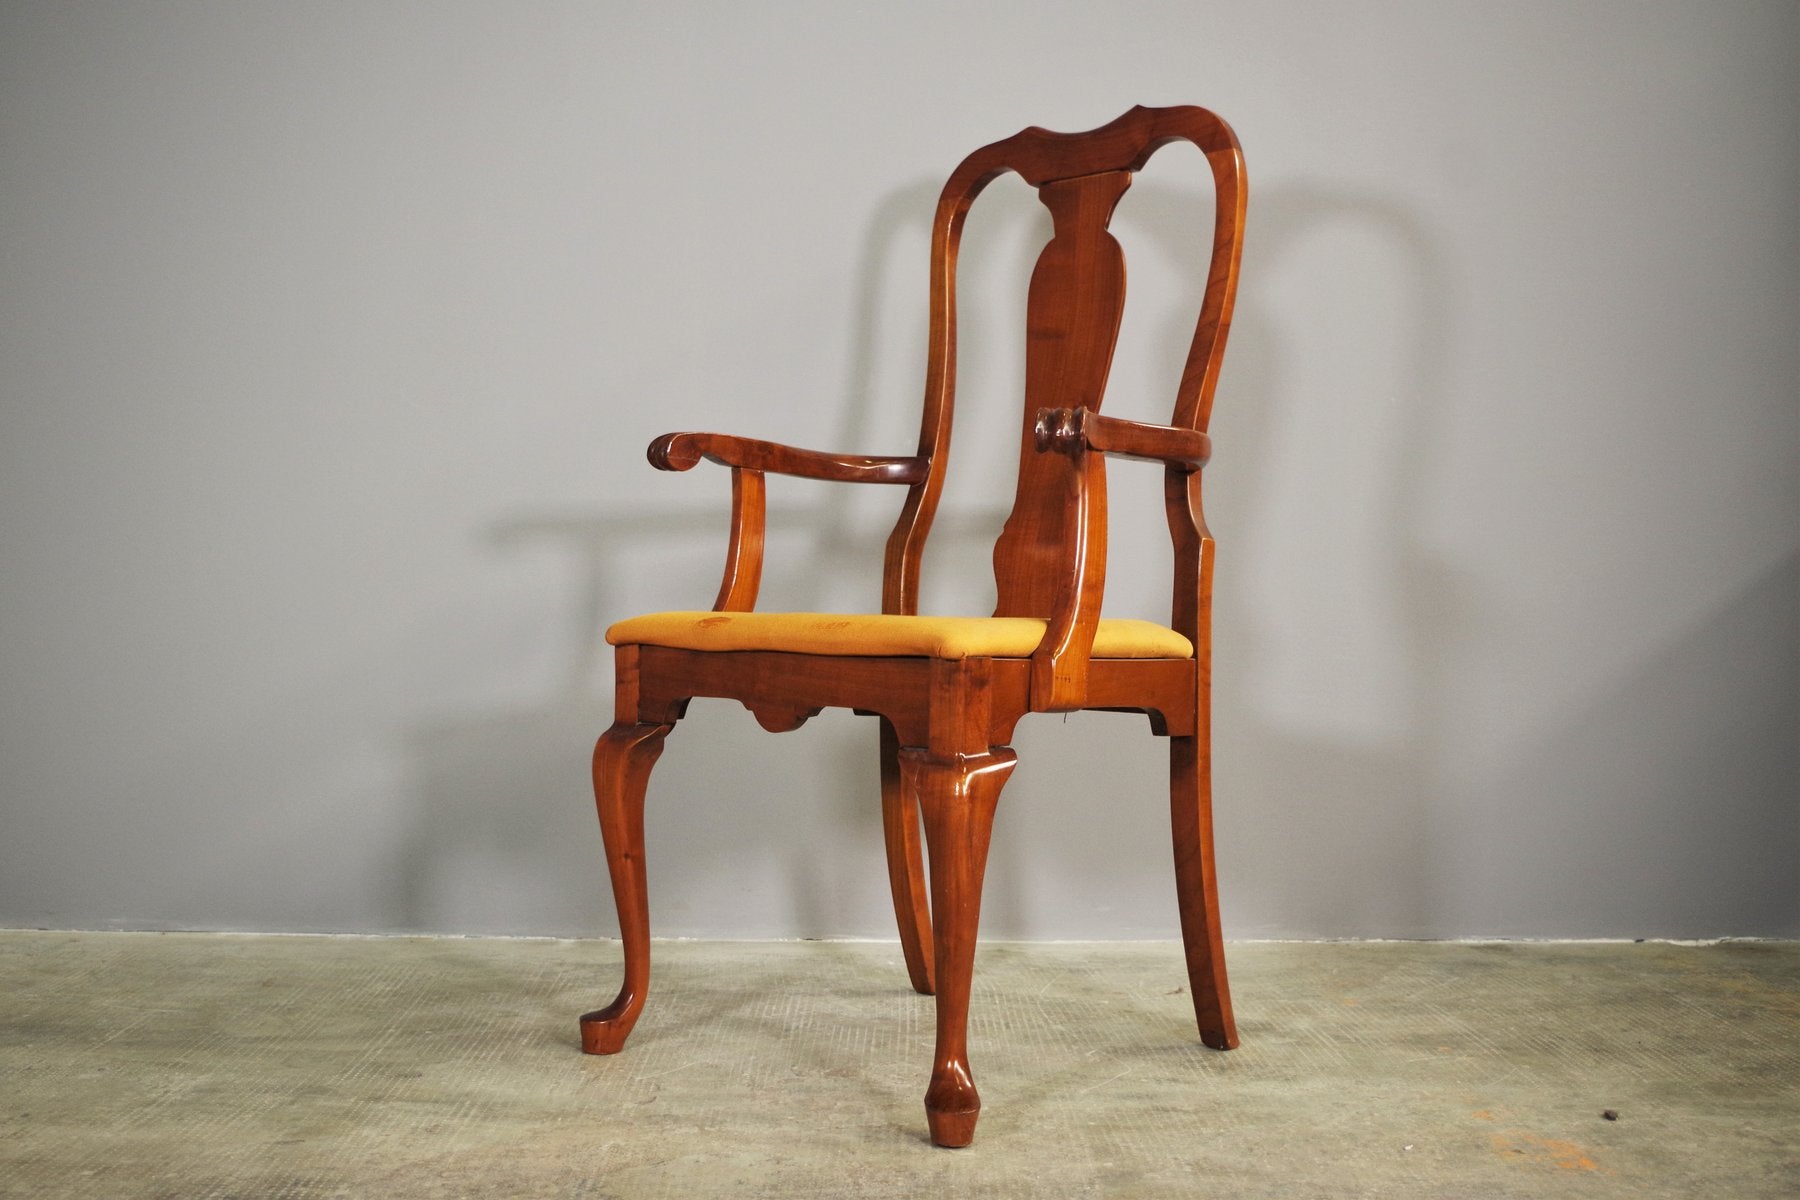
[{"x": 949, "y": 690}]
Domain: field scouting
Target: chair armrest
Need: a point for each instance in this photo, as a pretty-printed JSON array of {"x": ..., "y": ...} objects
[
  {"x": 1059, "y": 664},
  {"x": 749, "y": 459},
  {"x": 1068, "y": 430},
  {"x": 680, "y": 451}
]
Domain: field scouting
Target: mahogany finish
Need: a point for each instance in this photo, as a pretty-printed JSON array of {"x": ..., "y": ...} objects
[
  {"x": 681, "y": 451},
  {"x": 1072, "y": 430},
  {"x": 946, "y": 725}
]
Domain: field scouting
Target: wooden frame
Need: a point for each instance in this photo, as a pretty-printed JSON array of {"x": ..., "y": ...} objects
[{"x": 946, "y": 723}]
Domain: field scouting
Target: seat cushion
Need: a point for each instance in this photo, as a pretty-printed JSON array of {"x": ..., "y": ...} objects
[{"x": 877, "y": 635}]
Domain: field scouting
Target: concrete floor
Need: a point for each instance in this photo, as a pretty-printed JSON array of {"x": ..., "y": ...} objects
[{"x": 193, "y": 1065}]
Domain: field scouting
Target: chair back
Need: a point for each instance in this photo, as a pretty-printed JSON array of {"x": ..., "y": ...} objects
[{"x": 1074, "y": 306}]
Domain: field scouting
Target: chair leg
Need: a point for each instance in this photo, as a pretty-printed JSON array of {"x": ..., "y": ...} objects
[
  {"x": 957, "y": 796},
  {"x": 905, "y": 863},
  {"x": 1196, "y": 886},
  {"x": 622, "y": 761}
]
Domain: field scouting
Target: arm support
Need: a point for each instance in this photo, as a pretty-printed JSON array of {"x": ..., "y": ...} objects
[
  {"x": 749, "y": 459},
  {"x": 1059, "y": 665}
]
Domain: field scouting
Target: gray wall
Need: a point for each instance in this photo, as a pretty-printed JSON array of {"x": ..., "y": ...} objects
[{"x": 333, "y": 334}]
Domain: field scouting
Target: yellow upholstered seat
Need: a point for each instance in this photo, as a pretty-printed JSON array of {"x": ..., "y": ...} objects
[{"x": 879, "y": 635}]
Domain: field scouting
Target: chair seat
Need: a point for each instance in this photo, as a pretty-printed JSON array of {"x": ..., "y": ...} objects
[{"x": 879, "y": 635}]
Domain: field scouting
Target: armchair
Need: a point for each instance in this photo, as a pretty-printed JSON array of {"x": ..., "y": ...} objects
[{"x": 948, "y": 691}]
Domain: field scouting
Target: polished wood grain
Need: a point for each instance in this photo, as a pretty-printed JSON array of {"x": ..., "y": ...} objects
[
  {"x": 945, "y": 726},
  {"x": 1041, "y": 157},
  {"x": 681, "y": 451},
  {"x": 622, "y": 762},
  {"x": 906, "y": 864},
  {"x": 1196, "y": 887},
  {"x": 896, "y": 688},
  {"x": 1051, "y": 555},
  {"x": 957, "y": 794},
  {"x": 744, "y": 552},
  {"x": 1076, "y": 301},
  {"x": 1072, "y": 430}
]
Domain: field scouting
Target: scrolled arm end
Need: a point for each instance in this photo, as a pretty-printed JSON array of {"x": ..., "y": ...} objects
[{"x": 675, "y": 451}]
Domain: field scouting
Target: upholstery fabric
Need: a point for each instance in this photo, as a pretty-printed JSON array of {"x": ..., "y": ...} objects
[{"x": 878, "y": 635}]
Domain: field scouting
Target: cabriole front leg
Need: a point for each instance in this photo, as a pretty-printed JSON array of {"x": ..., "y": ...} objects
[
  {"x": 957, "y": 796},
  {"x": 622, "y": 761}
]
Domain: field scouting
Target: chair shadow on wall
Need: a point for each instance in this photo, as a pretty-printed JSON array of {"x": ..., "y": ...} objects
[
  {"x": 505, "y": 842},
  {"x": 504, "y": 838},
  {"x": 1343, "y": 779},
  {"x": 1325, "y": 819}
]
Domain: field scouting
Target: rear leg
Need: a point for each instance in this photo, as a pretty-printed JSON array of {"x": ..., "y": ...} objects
[
  {"x": 905, "y": 863},
  {"x": 1196, "y": 888}
]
